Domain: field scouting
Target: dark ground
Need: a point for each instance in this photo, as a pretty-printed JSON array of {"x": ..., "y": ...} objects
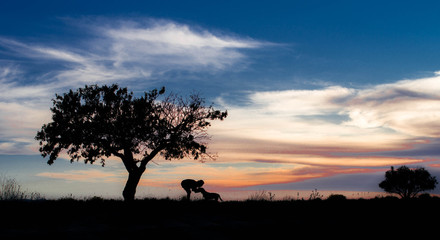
[{"x": 166, "y": 219}]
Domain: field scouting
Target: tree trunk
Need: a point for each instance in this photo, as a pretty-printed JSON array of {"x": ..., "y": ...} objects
[
  {"x": 134, "y": 171},
  {"x": 134, "y": 177}
]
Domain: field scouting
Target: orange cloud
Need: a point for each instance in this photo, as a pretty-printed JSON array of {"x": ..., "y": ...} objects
[
  {"x": 221, "y": 175},
  {"x": 325, "y": 154},
  {"x": 82, "y": 175},
  {"x": 436, "y": 165}
]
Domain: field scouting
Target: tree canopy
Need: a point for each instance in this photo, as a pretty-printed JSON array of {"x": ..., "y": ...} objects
[
  {"x": 96, "y": 122},
  {"x": 406, "y": 182}
]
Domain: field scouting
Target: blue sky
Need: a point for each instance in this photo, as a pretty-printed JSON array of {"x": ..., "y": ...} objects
[{"x": 319, "y": 92}]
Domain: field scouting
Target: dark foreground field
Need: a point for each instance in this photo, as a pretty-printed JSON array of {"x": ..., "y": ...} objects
[{"x": 166, "y": 219}]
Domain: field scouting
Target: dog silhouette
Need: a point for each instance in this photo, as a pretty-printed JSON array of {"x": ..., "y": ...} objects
[{"x": 208, "y": 195}]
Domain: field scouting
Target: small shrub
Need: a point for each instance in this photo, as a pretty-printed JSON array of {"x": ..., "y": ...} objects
[
  {"x": 336, "y": 197},
  {"x": 262, "y": 195},
  {"x": 315, "y": 195}
]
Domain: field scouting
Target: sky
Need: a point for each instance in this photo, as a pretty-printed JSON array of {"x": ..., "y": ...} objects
[{"x": 321, "y": 95}]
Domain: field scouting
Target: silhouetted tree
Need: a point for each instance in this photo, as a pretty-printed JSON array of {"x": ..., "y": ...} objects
[
  {"x": 406, "y": 182},
  {"x": 96, "y": 122}
]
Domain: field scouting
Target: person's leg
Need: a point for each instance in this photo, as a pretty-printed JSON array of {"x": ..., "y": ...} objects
[{"x": 188, "y": 193}]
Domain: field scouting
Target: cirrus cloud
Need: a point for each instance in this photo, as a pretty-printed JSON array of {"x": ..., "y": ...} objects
[
  {"x": 168, "y": 44},
  {"x": 112, "y": 51},
  {"x": 122, "y": 50}
]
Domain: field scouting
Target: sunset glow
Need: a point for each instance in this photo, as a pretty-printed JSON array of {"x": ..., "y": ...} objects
[{"x": 310, "y": 97}]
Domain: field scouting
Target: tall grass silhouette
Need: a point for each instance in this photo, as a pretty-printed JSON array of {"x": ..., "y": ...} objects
[{"x": 10, "y": 190}]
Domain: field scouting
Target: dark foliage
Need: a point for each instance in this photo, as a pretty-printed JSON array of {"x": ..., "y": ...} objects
[
  {"x": 406, "y": 182},
  {"x": 95, "y": 122}
]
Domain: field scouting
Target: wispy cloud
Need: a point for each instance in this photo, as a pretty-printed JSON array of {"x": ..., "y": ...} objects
[
  {"x": 114, "y": 51},
  {"x": 22, "y": 112},
  {"x": 333, "y": 127},
  {"x": 172, "y": 45},
  {"x": 121, "y": 50},
  {"x": 404, "y": 109},
  {"x": 410, "y": 107}
]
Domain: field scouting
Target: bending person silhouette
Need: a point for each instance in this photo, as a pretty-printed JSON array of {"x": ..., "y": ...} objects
[{"x": 190, "y": 184}]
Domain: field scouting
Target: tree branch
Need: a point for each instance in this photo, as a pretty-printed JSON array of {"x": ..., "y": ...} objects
[{"x": 150, "y": 156}]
